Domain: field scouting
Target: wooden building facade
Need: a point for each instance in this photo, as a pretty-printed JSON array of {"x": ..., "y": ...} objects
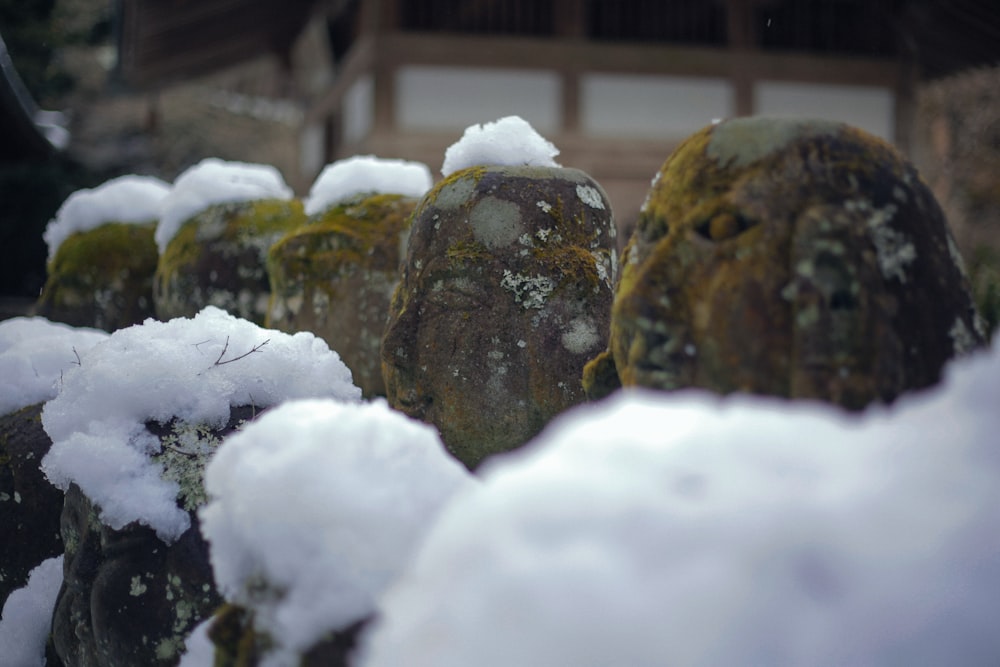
[{"x": 614, "y": 84}]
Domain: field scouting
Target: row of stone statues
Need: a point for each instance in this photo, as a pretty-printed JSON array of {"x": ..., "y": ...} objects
[{"x": 800, "y": 259}]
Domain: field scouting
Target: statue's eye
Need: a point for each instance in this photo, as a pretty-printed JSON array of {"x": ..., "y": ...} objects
[
  {"x": 652, "y": 227},
  {"x": 724, "y": 226}
]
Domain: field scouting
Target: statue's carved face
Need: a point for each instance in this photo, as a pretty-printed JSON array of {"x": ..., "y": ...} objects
[
  {"x": 792, "y": 258},
  {"x": 505, "y": 294}
]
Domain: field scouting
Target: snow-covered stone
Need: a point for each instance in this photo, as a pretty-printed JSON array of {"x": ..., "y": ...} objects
[
  {"x": 509, "y": 141},
  {"x": 367, "y": 174}
]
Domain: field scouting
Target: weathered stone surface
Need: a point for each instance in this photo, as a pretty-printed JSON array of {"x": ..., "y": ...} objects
[
  {"x": 218, "y": 258},
  {"x": 102, "y": 278},
  {"x": 127, "y": 597},
  {"x": 29, "y": 506},
  {"x": 795, "y": 258},
  {"x": 504, "y": 295},
  {"x": 238, "y": 643},
  {"x": 334, "y": 276}
]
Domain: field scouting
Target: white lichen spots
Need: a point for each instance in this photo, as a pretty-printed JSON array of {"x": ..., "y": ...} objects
[
  {"x": 495, "y": 355},
  {"x": 522, "y": 344},
  {"x": 805, "y": 268},
  {"x": 899, "y": 194},
  {"x": 169, "y": 648},
  {"x": 742, "y": 141},
  {"x": 580, "y": 336},
  {"x": 418, "y": 264},
  {"x": 956, "y": 256},
  {"x": 894, "y": 249},
  {"x": 690, "y": 350},
  {"x": 213, "y": 276},
  {"x": 17, "y": 497},
  {"x": 185, "y": 452},
  {"x": 321, "y": 305},
  {"x": 962, "y": 339},
  {"x": 590, "y": 196},
  {"x": 545, "y": 206},
  {"x": 529, "y": 291},
  {"x": 790, "y": 291},
  {"x": 543, "y": 234},
  {"x": 454, "y": 372},
  {"x": 4, "y": 497},
  {"x": 979, "y": 324},
  {"x": 653, "y": 182},
  {"x": 495, "y": 223},
  {"x": 137, "y": 588},
  {"x": 807, "y": 317},
  {"x": 602, "y": 268}
]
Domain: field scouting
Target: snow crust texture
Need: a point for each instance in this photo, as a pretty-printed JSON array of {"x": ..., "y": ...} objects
[
  {"x": 687, "y": 529},
  {"x": 509, "y": 141},
  {"x": 192, "y": 370},
  {"x": 27, "y": 616},
  {"x": 34, "y": 355},
  {"x": 127, "y": 199},
  {"x": 316, "y": 507},
  {"x": 367, "y": 174},
  {"x": 215, "y": 181}
]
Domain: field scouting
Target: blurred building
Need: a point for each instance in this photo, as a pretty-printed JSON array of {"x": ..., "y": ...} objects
[{"x": 615, "y": 84}]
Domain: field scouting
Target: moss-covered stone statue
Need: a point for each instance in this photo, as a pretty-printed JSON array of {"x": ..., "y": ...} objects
[
  {"x": 334, "y": 276},
  {"x": 129, "y": 598},
  {"x": 29, "y": 505},
  {"x": 795, "y": 258},
  {"x": 216, "y": 226},
  {"x": 505, "y": 293},
  {"x": 102, "y": 255},
  {"x": 219, "y": 258}
]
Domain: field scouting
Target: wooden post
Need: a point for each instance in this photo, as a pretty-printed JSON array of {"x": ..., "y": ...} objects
[
  {"x": 569, "y": 23},
  {"x": 742, "y": 38}
]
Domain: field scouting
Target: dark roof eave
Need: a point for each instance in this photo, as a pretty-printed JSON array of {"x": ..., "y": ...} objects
[{"x": 23, "y": 139}]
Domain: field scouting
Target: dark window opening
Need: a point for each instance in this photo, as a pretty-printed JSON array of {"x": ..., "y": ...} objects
[
  {"x": 848, "y": 27},
  {"x": 683, "y": 22},
  {"x": 501, "y": 17}
]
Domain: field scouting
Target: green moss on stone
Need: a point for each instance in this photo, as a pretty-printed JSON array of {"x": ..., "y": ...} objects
[
  {"x": 219, "y": 257},
  {"x": 334, "y": 276},
  {"x": 102, "y": 277},
  {"x": 783, "y": 257}
]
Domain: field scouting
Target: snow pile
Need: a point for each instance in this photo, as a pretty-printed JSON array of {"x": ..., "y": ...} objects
[
  {"x": 199, "y": 651},
  {"x": 190, "y": 369},
  {"x": 508, "y": 141},
  {"x": 127, "y": 199},
  {"x": 34, "y": 355},
  {"x": 215, "y": 181},
  {"x": 316, "y": 506},
  {"x": 367, "y": 174},
  {"x": 27, "y": 616},
  {"x": 683, "y": 529}
]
